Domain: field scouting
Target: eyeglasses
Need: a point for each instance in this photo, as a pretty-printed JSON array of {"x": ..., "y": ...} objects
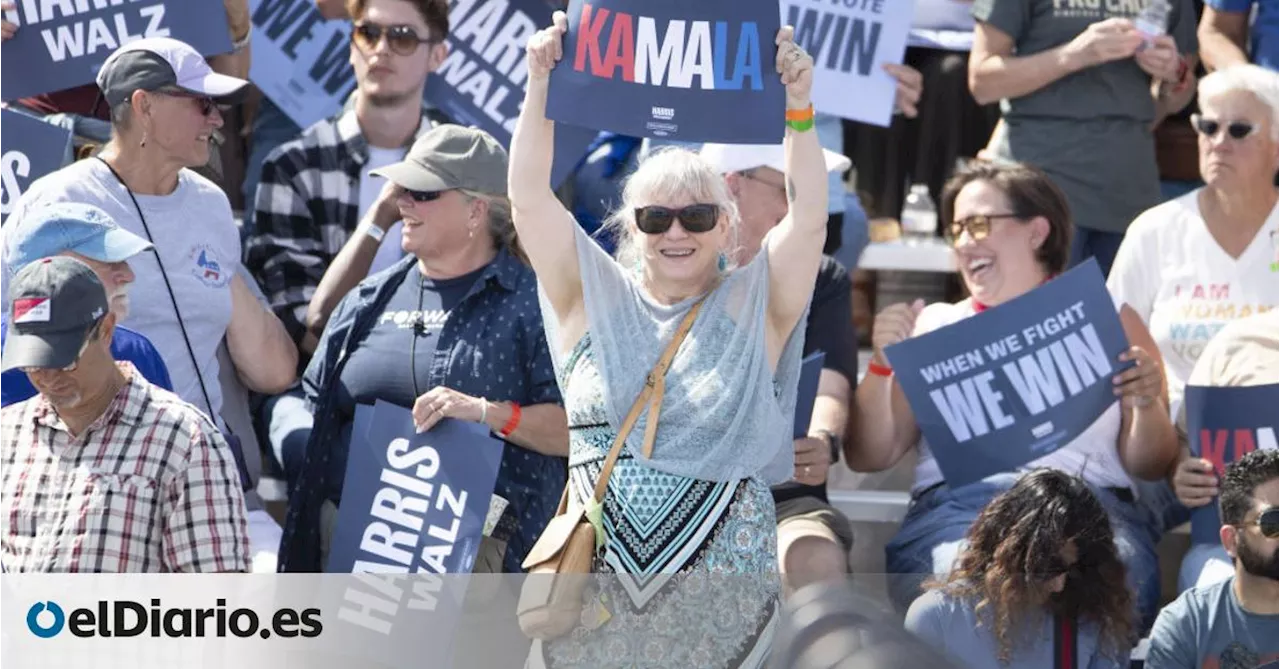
[
  {"x": 424, "y": 195},
  {"x": 1209, "y": 127},
  {"x": 1267, "y": 522},
  {"x": 695, "y": 218},
  {"x": 750, "y": 174},
  {"x": 1055, "y": 567},
  {"x": 207, "y": 104},
  {"x": 402, "y": 39},
  {"x": 979, "y": 226}
]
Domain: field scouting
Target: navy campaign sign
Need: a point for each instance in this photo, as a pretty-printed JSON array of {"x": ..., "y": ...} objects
[
  {"x": 62, "y": 43},
  {"x": 31, "y": 149},
  {"x": 690, "y": 71},
  {"x": 1017, "y": 382},
  {"x": 1223, "y": 425},
  {"x": 413, "y": 503}
]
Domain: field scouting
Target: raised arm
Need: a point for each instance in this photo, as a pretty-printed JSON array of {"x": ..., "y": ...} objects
[
  {"x": 795, "y": 246},
  {"x": 883, "y": 427},
  {"x": 1223, "y": 35},
  {"x": 350, "y": 266},
  {"x": 544, "y": 225},
  {"x": 995, "y": 73}
]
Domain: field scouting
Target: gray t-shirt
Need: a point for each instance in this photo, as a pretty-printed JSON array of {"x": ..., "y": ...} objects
[
  {"x": 1206, "y": 627},
  {"x": 195, "y": 235},
  {"x": 1088, "y": 130},
  {"x": 950, "y": 625}
]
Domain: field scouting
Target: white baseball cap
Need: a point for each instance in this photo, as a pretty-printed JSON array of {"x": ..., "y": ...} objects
[
  {"x": 159, "y": 62},
  {"x": 728, "y": 158}
]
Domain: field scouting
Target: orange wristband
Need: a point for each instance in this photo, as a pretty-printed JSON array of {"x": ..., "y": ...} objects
[
  {"x": 512, "y": 423},
  {"x": 805, "y": 114}
]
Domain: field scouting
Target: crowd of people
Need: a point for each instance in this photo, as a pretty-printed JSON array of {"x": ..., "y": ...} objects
[{"x": 161, "y": 348}]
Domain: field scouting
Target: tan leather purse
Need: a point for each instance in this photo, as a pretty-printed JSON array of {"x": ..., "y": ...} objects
[{"x": 560, "y": 563}]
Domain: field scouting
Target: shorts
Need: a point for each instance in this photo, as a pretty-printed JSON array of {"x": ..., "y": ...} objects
[{"x": 821, "y": 517}]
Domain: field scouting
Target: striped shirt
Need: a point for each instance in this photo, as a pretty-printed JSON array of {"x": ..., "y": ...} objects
[{"x": 150, "y": 486}]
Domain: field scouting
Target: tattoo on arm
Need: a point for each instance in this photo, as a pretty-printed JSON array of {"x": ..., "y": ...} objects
[{"x": 791, "y": 190}]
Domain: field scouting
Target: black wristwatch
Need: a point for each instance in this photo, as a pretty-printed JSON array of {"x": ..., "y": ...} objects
[{"x": 833, "y": 440}]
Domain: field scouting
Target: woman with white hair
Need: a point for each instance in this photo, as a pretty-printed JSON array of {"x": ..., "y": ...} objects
[
  {"x": 693, "y": 499},
  {"x": 1194, "y": 264}
]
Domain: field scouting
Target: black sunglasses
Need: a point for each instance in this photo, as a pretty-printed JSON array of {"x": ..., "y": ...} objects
[
  {"x": 1267, "y": 522},
  {"x": 207, "y": 104},
  {"x": 695, "y": 218},
  {"x": 402, "y": 39},
  {"x": 979, "y": 226},
  {"x": 424, "y": 195},
  {"x": 1210, "y": 127}
]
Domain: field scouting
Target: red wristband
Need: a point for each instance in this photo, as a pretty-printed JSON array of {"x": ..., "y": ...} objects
[
  {"x": 879, "y": 370},
  {"x": 512, "y": 423}
]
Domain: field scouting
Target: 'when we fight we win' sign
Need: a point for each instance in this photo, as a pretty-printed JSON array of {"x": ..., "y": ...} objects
[{"x": 1016, "y": 382}]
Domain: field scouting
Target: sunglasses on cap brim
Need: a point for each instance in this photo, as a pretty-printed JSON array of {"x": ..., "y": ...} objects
[{"x": 695, "y": 218}]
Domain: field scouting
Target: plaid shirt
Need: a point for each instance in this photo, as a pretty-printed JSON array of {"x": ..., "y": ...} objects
[
  {"x": 150, "y": 486},
  {"x": 306, "y": 207}
]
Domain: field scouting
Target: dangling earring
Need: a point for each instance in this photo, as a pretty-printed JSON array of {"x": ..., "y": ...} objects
[
  {"x": 722, "y": 261},
  {"x": 471, "y": 231}
]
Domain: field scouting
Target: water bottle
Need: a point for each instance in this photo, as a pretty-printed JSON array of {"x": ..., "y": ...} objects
[
  {"x": 919, "y": 215},
  {"x": 1153, "y": 20}
]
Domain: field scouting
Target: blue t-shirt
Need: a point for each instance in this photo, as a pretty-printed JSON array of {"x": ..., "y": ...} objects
[
  {"x": 126, "y": 346},
  {"x": 400, "y": 348},
  {"x": 1263, "y": 41},
  {"x": 1207, "y": 627}
]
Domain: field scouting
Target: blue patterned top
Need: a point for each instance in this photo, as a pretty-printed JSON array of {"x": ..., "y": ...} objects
[{"x": 491, "y": 345}]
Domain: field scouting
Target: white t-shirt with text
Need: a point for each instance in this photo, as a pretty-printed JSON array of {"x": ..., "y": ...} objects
[{"x": 1185, "y": 287}]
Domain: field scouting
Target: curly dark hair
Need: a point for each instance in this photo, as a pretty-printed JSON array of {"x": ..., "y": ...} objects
[
  {"x": 1017, "y": 540},
  {"x": 1241, "y": 478}
]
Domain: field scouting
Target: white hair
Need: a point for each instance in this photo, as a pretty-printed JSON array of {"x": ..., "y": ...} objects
[
  {"x": 669, "y": 173},
  {"x": 1261, "y": 82}
]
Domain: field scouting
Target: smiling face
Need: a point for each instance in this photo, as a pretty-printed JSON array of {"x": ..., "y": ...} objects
[
  {"x": 181, "y": 124},
  {"x": 1003, "y": 264},
  {"x": 676, "y": 263},
  {"x": 677, "y": 258},
  {"x": 1228, "y": 162},
  {"x": 441, "y": 227},
  {"x": 388, "y": 75}
]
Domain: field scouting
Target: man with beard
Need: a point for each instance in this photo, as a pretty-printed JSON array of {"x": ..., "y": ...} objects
[
  {"x": 88, "y": 234},
  {"x": 1231, "y": 625}
]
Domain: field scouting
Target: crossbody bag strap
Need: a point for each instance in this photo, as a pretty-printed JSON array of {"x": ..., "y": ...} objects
[
  {"x": 1064, "y": 642},
  {"x": 652, "y": 383}
]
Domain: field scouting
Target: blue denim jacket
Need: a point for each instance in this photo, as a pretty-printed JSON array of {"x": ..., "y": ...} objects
[{"x": 498, "y": 320}]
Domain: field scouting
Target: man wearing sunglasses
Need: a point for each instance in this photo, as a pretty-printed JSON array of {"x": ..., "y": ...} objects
[
  {"x": 317, "y": 190},
  {"x": 1232, "y": 624},
  {"x": 140, "y": 477},
  {"x": 814, "y": 538}
]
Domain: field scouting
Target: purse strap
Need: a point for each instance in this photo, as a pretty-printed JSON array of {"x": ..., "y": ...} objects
[
  {"x": 1064, "y": 642},
  {"x": 654, "y": 387}
]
